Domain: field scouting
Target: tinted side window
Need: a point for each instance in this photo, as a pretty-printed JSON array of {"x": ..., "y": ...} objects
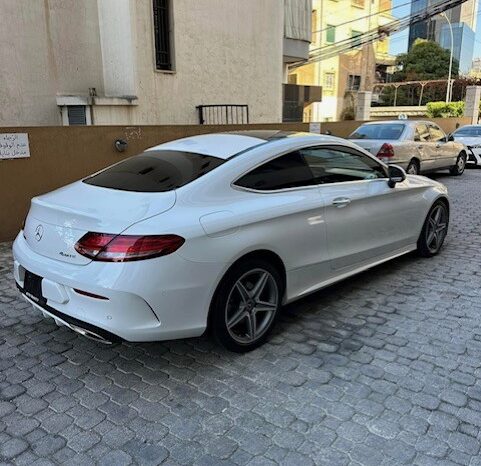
[
  {"x": 335, "y": 165},
  {"x": 422, "y": 133},
  {"x": 436, "y": 133},
  {"x": 155, "y": 171},
  {"x": 287, "y": 171}
]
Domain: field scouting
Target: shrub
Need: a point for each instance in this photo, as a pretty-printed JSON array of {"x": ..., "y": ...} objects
[{"x": 444, "y": 110}]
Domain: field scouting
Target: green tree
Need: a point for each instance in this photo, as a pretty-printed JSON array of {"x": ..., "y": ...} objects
[{"x": 425, "y": 60}]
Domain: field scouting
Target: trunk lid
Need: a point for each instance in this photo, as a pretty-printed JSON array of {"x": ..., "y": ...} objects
[
  {"x": 374, "y": 145},
  {"x": 57, "y": 220}
]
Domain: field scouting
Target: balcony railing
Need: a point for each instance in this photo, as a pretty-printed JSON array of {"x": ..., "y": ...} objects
[{"x": 223, "y": 114}]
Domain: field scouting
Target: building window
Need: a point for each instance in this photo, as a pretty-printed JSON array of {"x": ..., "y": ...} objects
[
  {"x": 163, "y": 52},
  {"x": 356, "y": 38},
  {"x": 77, "y": 115},
  {"x": 353, "y": 82},
  {"x": 329, "y": 80},
  {"x": 330, "y": 34}
]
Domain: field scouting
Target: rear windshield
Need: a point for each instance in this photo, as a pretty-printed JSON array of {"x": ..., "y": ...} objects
[
  {"x": 384, "y": 131},
  {"x": 468, "y": 131},
  {"x": 155, "y": 171}
]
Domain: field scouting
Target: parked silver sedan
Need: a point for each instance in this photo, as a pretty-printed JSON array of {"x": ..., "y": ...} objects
[
  {"x": 470, "y": 136},
  {"x": 417, "y": 146}
]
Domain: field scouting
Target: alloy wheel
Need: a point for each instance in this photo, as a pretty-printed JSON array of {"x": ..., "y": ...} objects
[
  {"x": 251, "y": 306},
  {"x": 437, "y": 228},
  {"x": 461, "y": 164}
]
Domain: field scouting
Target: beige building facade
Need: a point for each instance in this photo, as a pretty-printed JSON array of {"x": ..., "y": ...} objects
[
  {"x": 342, "y": 76},
  {"x": 143, "y": 61}
]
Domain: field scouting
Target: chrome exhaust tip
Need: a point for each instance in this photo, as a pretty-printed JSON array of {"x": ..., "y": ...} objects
[{"x": 89, "y": 334}]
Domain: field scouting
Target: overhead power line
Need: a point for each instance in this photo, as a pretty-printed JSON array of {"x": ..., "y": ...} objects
[
  {"x": 351, "y": 43},
  {"x": 398, "y": 24},
  {"x": 376, "y": 13}
]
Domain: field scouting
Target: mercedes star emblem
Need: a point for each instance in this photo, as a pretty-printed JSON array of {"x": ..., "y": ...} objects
[{"x": 39, "y": 232}]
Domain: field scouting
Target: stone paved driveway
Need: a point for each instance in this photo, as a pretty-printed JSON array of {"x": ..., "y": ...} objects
[{"x": 380, "y": 370}]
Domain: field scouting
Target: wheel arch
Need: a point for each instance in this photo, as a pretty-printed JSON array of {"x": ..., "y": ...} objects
[
  {"x": 415, "y": 159},
  {"x": 444, "y": 200},
  {"x": 261, "y": 254}
]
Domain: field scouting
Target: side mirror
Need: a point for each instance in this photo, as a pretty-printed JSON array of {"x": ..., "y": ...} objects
[
  {"x": 396, "y": 175},
  {"x": 449, "y": 137}
]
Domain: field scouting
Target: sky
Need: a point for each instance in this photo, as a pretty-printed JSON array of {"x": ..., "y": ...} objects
[{"x": 399, "y": 41}]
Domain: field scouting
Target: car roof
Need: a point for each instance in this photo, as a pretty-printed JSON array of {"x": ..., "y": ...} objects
[
  {"x": 228, "y": 144},
  {"x": 401, "y": 122}
]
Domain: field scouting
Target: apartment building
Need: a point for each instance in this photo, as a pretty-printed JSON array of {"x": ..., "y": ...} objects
[
  {"x": 147, "y": 61},
  {"x": 342, "y": 76}
]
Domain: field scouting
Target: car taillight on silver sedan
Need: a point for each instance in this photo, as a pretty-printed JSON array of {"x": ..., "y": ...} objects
[
  {"x": 122, "y": 248},
  {"x": 386, "y": 152}
]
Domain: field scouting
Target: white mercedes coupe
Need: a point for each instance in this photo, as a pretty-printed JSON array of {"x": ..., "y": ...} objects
[{"x": 217, "y": 232}]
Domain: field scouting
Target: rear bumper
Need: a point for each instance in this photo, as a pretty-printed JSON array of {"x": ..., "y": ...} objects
[
  {"x": 83, "y": 328},
  {"x": 156, "y": 299}
]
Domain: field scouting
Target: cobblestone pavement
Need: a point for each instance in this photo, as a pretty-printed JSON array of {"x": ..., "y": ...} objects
[{"x": 382, "y": 369}]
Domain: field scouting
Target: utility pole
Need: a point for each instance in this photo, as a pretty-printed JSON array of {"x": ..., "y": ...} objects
[
  {"x": 366, "y": 55},
  {"x": 449, "y": 85},
  {"x": 319, "y": 66}
]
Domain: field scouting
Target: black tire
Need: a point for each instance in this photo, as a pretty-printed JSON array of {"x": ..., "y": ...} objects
[
  {"x": 228, "y": 303},
  {"x": 413, "y": 167},
  {"x": 460, "y": 166},
  {"x": 429, "y": 245}
]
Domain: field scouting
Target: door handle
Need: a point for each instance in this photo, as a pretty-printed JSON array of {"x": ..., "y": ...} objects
[{"x": 341, "y": 201}]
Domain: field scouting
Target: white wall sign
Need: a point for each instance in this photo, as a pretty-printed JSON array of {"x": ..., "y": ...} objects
[
  {"x": 315, "y": 128},
  {"x": 14, "y": 146}
]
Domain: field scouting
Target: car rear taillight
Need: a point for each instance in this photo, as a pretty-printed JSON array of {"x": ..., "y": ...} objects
[
  {"x": 122, "y": 248},
  {"x": 385, "y": 152}
]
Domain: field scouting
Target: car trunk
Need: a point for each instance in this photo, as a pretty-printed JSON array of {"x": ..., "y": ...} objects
[
  {"x": 373, "y": 145},
  {"x": 57, "y": 220}
]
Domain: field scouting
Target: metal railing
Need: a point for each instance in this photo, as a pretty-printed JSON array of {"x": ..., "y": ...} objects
[{"x": 223, "y": 114}]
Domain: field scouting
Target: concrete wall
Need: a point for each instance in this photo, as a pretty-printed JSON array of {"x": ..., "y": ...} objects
[
  {"x": 225, "y": 51},
  {"x": 46, "y": 47}
]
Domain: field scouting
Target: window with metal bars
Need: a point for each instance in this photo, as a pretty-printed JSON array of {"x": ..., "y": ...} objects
[
  {"x": 163, "y": 51},
  {"x": 77, "y": 115}
]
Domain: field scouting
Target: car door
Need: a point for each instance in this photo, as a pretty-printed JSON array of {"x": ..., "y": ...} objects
[
  {"x": 425, "y": 146},
  {"x": 366, "y": 220},
  {"x": 444, "y": 155},
  {"x": 284, "y": 210}
]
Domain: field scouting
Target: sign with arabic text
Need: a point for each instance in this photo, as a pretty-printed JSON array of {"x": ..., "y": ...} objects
[{"x": 14, "y": 146}]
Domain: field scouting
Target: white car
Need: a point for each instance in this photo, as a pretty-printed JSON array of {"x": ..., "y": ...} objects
[
  {"x": 217, "y": 232},
  {"x": 417, "y": 146},
  {"x": 470, "y": 136}
]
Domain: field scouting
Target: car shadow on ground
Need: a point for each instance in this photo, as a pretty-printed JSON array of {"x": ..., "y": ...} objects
[{"x": 328, "y": 318}]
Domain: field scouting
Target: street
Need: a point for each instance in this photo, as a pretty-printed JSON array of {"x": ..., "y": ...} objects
[{"x": 381, "y": 369}]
